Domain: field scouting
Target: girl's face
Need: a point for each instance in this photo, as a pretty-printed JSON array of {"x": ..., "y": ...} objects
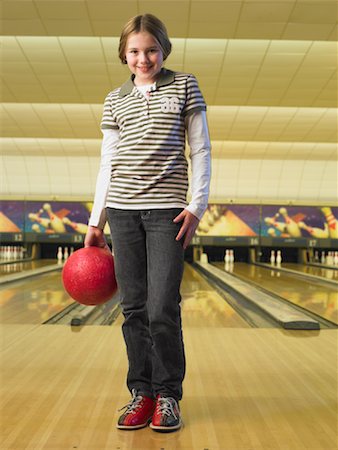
[{"x": 144, "y": 57}]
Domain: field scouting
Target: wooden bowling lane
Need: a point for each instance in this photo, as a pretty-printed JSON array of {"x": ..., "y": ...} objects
[
  {"x": 202, "y": 306},
  {"x": 32, "y": 300},
  {"x": 17, "y": 267},
  {"x": 324, "y": 272},
  {"x": 317, "y": 298},
  {"x": 244, "y": 389}
]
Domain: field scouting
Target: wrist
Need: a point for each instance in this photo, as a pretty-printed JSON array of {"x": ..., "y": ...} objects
[{"x": 94, "y": 228}]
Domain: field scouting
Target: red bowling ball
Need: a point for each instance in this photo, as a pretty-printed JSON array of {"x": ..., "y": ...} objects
[{"x": 89, "y": 276}]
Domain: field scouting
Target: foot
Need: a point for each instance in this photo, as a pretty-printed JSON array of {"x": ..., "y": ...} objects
[
  {"x": 138, "y": 413},
  {"x": 167, "y": 416}
]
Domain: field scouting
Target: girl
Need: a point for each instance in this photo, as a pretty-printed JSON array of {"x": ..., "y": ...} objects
[{"x": 141, "y": 190}]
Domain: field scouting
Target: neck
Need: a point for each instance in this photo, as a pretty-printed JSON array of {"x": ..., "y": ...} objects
[
  {"x": 138, "y": 82},
  {"x": 148, "y": 83}
]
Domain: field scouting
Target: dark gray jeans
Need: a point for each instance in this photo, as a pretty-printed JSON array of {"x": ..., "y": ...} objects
[{"x": 149, "y": 268}]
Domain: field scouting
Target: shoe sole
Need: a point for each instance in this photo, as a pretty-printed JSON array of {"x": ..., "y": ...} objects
[
  {"x": 163, "y": 429},
  {"x": 133, "y": 427}
]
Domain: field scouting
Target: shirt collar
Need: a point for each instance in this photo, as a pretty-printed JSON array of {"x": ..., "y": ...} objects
[{"x": 165, "y": 77}]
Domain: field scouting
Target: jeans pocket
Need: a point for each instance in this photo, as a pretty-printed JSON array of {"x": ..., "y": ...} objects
[{"x": 166, "y": 215}]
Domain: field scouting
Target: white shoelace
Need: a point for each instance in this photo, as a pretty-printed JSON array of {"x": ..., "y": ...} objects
[
  {"x": 166, "y": 405},
  {"x": 134, "y": 403}
]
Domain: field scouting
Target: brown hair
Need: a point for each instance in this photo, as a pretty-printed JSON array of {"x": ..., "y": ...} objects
[{"x": 150, "y": 24}]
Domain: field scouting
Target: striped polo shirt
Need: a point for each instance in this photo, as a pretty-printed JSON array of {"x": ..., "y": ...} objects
[{"x": 149, "y": 168}]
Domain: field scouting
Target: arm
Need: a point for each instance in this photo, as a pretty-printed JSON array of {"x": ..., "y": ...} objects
[
  {"x": 95, "y": 236},
  {"x": 199, "y": 142}
]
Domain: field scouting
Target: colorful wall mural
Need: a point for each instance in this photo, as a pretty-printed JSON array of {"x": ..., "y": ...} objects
[
  {"x": 230, "y": 220},
  {"x": 56, "y": 217},
  {"x": 12, "y": 215},
  {"x": 219, "y": 219},
  {"x": 299, "y": 221}
]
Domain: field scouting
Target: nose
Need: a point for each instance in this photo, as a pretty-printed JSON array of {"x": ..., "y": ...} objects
[{"x": 143, "y": 57}]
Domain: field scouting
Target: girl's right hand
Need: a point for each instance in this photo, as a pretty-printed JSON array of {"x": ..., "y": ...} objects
[{"x": 95, "y": 238}]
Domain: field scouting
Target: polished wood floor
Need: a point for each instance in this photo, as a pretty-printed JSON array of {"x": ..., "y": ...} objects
[
  {"x": 317, "y": 297},
  {"x": 245, "y": 389}
]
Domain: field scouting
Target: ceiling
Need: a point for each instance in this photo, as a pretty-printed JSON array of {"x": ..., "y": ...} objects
[{"x": 267, "y": 69}]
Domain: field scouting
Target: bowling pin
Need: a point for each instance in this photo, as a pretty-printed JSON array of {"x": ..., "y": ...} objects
[
  {"x": 329, "y": 259},
  {"x": 210, "y": 218},
  {"x": 65, "y": 254},
  {"x": 332, "y": 258},
  {"x": 232, "y": 257},
  {"x": 291, "y": 226},
  {"x": 215, "y": 212},
  {"x": 331, "y": 221},
  {"x": 36, "y": 228},
  {"x": 280, "y": 226},
  {"x": 315, "y": 232},
  {"x": 41, "y": 220},
  {"x": 323, "y": 259},
  {"x": 202, "y": 227},
  {"x": 59, "y": 255},
  {"x": 335, "y": 259},
  {"x": 316, "y": 257},
  {"x": 272, "y": 258},
  {"x": 55, "y": 221},
  {"x": 272, "y": 232},
  {"x": 79, "y": 227},
  {"x": 227, "y": 256},
  {"x": 279, "y": 258}
]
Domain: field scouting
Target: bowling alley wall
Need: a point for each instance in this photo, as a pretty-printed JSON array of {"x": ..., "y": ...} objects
[{"x": 222, "y": 224}]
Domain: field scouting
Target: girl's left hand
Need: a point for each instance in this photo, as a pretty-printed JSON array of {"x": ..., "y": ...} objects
[{"x": 188, "y": 227}]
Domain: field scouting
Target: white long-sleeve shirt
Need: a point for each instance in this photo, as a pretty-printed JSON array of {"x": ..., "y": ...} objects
[{"x": 199, "y": 143}]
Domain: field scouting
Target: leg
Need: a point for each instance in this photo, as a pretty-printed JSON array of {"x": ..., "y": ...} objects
[
  {"x": 165, "y": 270},
  {"x": 129, "y": 244}
]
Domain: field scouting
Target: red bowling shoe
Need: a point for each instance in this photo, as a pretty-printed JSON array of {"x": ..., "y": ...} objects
[
  {"x": 138, "y": 414},
  {"x": 167, "y": 416}
]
